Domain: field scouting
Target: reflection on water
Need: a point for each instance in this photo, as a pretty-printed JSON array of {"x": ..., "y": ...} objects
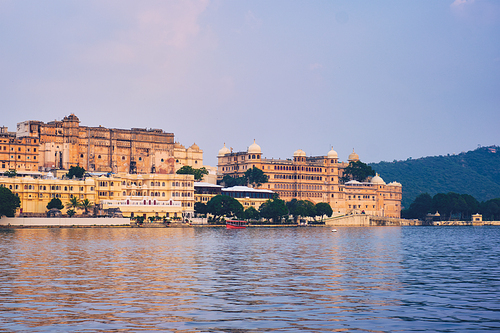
[{"x": 284, "y": 279}]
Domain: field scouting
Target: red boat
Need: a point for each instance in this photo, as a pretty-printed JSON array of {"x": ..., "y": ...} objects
[{"x": 234, "y": 224}]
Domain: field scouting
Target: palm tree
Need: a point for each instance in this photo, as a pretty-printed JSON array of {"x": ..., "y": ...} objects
[
  {"x": 74, "y": 203},
  {"x": 86, "y": 204}
]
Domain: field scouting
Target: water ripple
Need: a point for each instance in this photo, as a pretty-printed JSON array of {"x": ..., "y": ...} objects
[{"x": 285, "y": 279}]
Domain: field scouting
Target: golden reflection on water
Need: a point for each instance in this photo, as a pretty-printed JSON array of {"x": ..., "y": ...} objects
[{"x": 204, "y": 279}]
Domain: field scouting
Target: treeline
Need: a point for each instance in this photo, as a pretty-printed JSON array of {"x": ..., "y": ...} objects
[
  {"x": 275, "y": 210},
  {"x": 474, "y": 172},
  {"x": 452, "y": 206}
]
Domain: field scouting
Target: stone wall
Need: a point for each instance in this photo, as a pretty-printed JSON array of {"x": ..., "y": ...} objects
[{"x": 61, "y": 221}]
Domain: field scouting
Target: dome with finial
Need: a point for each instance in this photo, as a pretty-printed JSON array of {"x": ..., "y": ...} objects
[
  {"x": 299, "y": 153},
  {"x": 194, "y": 146},
  {"x": 377, "y": 180},
  {"x": 353, "y": 156},
  {"x": 254, "y": 148},
  {"x": 224, "y": 150},
  {"x": 332, "y": 154}
]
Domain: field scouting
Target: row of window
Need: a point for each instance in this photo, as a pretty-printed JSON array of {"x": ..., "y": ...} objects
[
  {"x": 298, "y": 177},
  {"x": 361, "y": 197},
  {"x": 18, "y": 149},
  {"x": 44, "y": 187},
  {"x": 298, "y": 186},
  {"x": 303, "y": 194}
]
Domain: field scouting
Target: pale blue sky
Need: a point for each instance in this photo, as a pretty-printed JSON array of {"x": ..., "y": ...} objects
[{"x": 392, "y": 79}]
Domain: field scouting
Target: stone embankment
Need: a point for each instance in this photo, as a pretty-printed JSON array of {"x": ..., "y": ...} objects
[
  {"x": 62, "y": 222},
  {"x": 362, "y": 220}
]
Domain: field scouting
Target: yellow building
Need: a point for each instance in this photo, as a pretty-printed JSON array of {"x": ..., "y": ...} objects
[
  {"x": 20, "y": 154},
  {"x": 315, "y": 178},
  {"x": 169, "y": 195}
]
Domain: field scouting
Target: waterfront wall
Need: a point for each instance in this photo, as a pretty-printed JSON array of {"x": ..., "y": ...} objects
[
  {"x": 362, "y": 220},
  {"x": 61, "y": 221}
]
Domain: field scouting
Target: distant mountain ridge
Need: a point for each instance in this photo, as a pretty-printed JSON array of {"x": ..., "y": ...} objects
[{"x": 476, "y": 172}]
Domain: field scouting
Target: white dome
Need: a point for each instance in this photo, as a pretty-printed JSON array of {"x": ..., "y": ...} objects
[
  {"x": 353, "y": 156},
  {"x": 299, "y": 152},
  {"x": 332, "y": 154},
  {"x": 377, "y": 180},
  {"x": 254, "y": 148},
  {"x": 224, "y": 150}
]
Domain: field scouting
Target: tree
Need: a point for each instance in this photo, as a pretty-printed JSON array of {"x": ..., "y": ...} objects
[
  {"x": 419, "y": 208},
  {"x": 273, "y": 209},
  {"x": 256, "y": 177},
  {"x": 322, "y": 209},
  {"x": 357, "y": 170},
  {"x": 74, "y": 203},
  {"x": 251, "y": 214},
  {"x": 70, "y": 212},
  {"x": 11, "y": 173},
  {"x": 223, "y": 205},
  {"x": 9, "y": 202},
  {"x": 233, "y": 181},
  {"x": 304, "y": 208},
  {"x": 55, "y": 203},
  {"x": 188, "y": 170},
  {"x": 200, "y": 208},
  {"x": 75, "y": 171},
  {"x": 86, "y": 204}
]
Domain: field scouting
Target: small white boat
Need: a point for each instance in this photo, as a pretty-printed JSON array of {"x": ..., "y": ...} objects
[{"x": 334, "y": 230}]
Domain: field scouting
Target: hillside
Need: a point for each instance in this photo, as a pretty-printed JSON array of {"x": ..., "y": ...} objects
[{"x": 475, "y": 172}]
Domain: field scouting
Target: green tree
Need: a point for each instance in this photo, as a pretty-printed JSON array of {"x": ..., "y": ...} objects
[
  {"x": 294, "y": 209},
  {"x": 200, "y": 208},
  {"x": 86, "y": 205},
  {"x": 75, "y": 171},
  {"x": 472, "y": 205},
  {"x": 9, "y": 202},
  {"x": 491, "y": 210},
  {"x": 256, "y": 177},
  {"x": 223, "y": 205},
  {"x": 70, "y": 212},
  {"x": 74, "y": 203},
  {"x": 322, "y": 209},
  {"x": 197, "y": 173},
  {"x": 251, "y": 214},
  {"x": 357, "y": 170},
  {"x": 419, "y": 208},
  {"x": 233, "y": 181},
  {"x": 55, "y": 203},
  {"x": 11, "y": 173},
  {"x": 273, "y": 209}
]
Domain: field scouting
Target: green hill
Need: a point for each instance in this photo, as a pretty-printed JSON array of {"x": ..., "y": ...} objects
[{"x": 475, "y": 172}]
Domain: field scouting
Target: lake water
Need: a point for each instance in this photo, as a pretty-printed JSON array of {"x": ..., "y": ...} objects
[{"x": 380, "y": 279}]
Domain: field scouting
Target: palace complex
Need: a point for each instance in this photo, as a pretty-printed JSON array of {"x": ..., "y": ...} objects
[
  {"x": 38, "y": 146},
  {"x": 134, "y": 170},
  {"x": 317, "y": 179}
]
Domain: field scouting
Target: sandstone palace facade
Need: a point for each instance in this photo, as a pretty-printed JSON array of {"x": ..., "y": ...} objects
[
  {"x": 38, "y": 146},
  {"x": 317, "y": 179}
]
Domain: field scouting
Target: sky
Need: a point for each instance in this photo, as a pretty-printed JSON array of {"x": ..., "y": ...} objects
[{"x": 390, "y": 79}]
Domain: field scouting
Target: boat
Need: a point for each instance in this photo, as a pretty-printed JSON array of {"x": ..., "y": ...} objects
[{"x": 235, "y": 224}]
